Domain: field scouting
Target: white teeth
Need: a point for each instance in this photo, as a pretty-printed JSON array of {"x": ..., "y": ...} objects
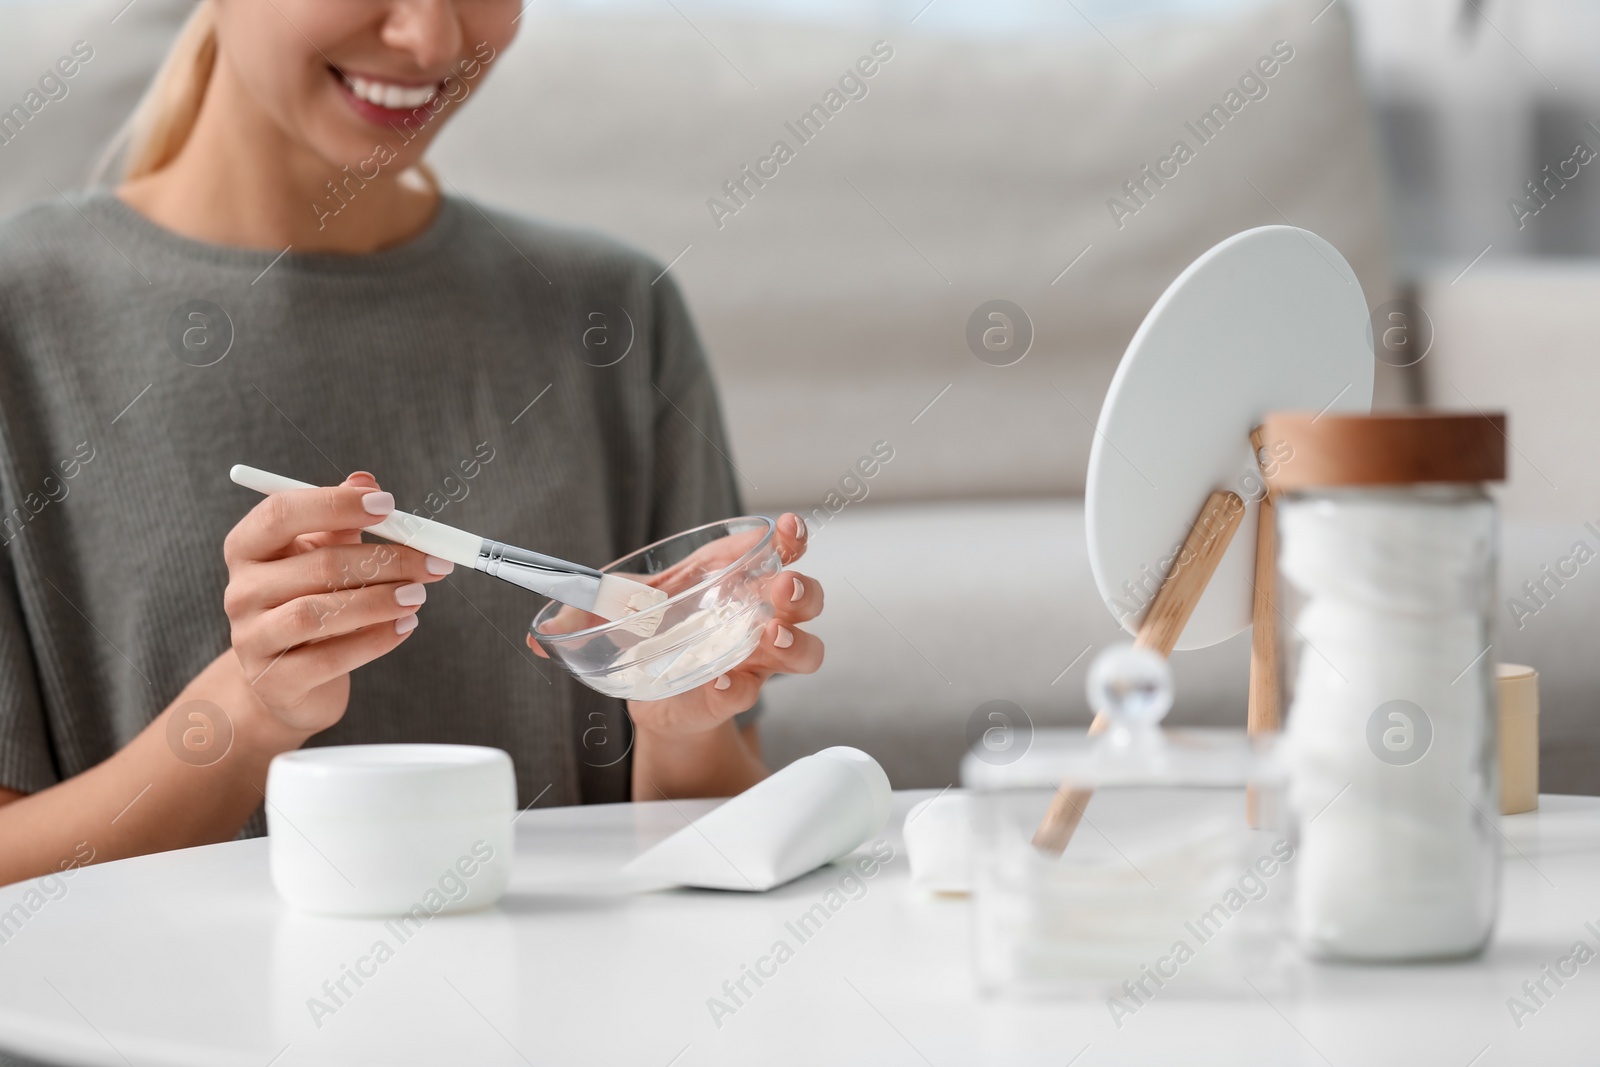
[{"x": 389, "y": 95}]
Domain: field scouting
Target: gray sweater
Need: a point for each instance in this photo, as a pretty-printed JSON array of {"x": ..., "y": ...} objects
[{"x": 529, "y": 383}]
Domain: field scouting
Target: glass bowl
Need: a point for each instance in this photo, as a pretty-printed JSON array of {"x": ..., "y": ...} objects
[{"x": 717, "y": 576}]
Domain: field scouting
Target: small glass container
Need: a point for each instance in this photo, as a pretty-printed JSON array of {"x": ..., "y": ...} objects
[
  {"x": 1387, "y": 565},
  {"x": 1163, "y": 889},
  {"x": 719, "y": 578}
]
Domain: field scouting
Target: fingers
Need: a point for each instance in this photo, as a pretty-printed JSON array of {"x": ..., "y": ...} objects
[
  {"x": 785, "y": 650},
  {"x": 316, "y": 618},
  {"x": 790, "y": 538},
  {"x": 706, "y": 559},
  {"x": 306, "y": 542},
  {"x": 271, "y": 528},
  {"x": 286, "y": 678},
  {"x": 569, "y": 619},
  {"x": 308, "y": 601},
  {"x": 334, "y": 569},
  {"x": 796, "y": 597},
  {"x": 740, "y": 687}
]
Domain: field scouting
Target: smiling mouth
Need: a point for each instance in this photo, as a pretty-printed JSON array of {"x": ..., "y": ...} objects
[{"x": 392, "y": 97}]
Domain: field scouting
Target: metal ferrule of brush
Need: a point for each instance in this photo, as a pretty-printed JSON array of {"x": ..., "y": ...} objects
[{"x": 557, "y": 579}]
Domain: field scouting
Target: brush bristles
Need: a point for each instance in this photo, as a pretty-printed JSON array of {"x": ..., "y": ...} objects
[{"x": 620, "y": 598}]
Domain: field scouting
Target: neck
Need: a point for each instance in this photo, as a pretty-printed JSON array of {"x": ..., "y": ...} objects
[{"x": 240, "y": 180}]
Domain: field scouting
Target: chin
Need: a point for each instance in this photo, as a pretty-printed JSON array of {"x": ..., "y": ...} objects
[{"x": 368, "y": 155}]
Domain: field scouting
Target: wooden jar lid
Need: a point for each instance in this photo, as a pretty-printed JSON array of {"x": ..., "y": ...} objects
[{"x": 1305, "y": 450}]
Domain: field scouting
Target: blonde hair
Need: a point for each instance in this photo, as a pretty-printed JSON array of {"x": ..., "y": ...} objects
[{"x": 165, "y": 115}]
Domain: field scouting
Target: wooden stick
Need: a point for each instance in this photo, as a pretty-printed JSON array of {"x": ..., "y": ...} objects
[
  {"x": 1175, "y": 601},
  {"x": 1266, "y": 695}
]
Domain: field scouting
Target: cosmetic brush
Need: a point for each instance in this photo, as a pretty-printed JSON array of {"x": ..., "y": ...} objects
[{"x": 611, "y": 596}]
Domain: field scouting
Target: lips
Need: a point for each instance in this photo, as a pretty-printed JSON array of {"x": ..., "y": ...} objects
[{"x": 385, "y": 103}]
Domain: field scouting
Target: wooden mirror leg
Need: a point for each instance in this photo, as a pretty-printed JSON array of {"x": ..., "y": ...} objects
[
  {"x": 1175, "y": 601},
  {"x": 1266, "y": 695}
]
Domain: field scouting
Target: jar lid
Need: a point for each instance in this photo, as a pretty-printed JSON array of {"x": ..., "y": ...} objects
[
  {"x": 1391, "y": 448},
  {"x": 390, "y": 782}
]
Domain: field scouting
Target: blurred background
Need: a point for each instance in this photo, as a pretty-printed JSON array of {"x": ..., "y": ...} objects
[{"x": 1442, "y": 145}]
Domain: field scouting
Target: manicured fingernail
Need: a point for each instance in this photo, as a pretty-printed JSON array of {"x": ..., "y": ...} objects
[
  {"x": 799, "y": 590},
  {"x": 436, "y": 565},
  {"x": 405, "y": 624},
  {"x": 378, "y": 503},
  {"x": 784, "y": 639},
  {"x": 799, "y": 528},
  {"x": 362, "y": 474},
  {"x": 411, "y": 594},
  {"x": 722, "y": 683}
]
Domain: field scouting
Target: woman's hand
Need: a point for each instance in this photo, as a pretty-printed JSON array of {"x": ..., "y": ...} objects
[
  {"x": 687, "y": 745},
  {"x": 309, "y": 602},
  {"x": 784, "y": 649}
]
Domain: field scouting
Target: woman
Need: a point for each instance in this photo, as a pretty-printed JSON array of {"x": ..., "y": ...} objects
[{"x": 272, "y": 284}]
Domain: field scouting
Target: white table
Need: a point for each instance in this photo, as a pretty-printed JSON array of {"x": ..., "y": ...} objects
[{"x": 188, "y": 958}]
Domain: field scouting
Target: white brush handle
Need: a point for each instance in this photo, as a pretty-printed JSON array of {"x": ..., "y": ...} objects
[{"x": 413, "y": 531}]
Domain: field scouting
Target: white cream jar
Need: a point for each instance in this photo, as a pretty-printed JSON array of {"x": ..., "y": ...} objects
[{"x": 384, "y": 830}]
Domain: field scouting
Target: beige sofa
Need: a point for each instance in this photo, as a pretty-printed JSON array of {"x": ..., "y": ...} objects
[
  {"x": 1521, "y": 336},
  {"x": 835, "y": 300}
]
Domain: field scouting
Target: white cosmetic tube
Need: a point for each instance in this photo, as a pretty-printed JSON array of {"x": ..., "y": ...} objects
[{"x": 812, "y": 812}]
